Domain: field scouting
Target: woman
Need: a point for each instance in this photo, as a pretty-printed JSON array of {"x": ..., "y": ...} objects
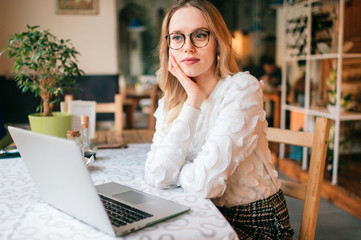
[{"x": 210, "y": 134}]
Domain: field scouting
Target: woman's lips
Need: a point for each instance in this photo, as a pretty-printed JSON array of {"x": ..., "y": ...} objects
[{"x": 190, "y": 61}]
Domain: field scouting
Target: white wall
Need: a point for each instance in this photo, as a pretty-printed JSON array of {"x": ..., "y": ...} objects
[{"x": 94, "y": 36}]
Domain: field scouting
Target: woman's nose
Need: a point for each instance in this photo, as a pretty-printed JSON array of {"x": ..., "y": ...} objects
[{"x": 188, "y": 45}]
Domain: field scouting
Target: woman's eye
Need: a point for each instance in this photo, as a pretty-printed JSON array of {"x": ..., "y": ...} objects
[
  {"x": 200, "y": 35},
  {"x": 176, "y": 37}
]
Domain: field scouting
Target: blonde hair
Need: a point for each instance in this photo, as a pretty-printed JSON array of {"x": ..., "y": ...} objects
[{"x": 174, "y": 94}]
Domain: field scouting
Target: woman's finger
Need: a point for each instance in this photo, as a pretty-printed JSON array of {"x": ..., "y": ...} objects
[
  {"x": 177, "y": 71},
  {"x": 193, "y": 90},
  {"x": 174, "y": 67}
]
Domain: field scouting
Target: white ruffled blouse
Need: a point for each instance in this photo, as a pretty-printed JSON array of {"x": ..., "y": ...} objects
[{"x": 218, "y": 152}]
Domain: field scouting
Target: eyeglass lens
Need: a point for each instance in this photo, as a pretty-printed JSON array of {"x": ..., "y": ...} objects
[{"x": 198, "y": 38}]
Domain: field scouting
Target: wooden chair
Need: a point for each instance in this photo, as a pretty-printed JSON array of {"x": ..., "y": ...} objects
[
  {"x": 310, "y": 194},
  {"x": 129, "y": 108},
  {"x": 115, "y": 107}
]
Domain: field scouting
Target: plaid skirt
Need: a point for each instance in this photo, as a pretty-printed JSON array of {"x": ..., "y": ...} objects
[{"x": 263, "y": 219}]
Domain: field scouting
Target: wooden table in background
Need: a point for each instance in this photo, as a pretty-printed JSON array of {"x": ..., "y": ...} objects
[
  {"x": 113, "y": 138},
  {"x": 136, "y": 95},
  {"x": 131, "y": 102}
]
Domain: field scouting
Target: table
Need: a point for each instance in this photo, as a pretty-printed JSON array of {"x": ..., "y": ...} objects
[
  {"x": 134, "y": 96},
  {"x": 132, "y": 93},
  {"x": 114, "y": 138},
  {"x": 24, "y": 215}
]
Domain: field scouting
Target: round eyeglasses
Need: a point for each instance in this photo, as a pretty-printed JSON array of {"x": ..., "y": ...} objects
[{"x": 199, "y": 39}]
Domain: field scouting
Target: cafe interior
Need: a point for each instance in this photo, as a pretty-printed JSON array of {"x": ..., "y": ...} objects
[{"x": 306, "y": 52}]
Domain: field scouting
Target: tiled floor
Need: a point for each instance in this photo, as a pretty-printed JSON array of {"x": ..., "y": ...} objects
[{"x": 332, "y": 224}]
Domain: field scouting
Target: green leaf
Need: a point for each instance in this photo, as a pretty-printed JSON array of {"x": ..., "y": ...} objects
[
  {"x": 34, "y": 27},
  {"x": 11, "y": 41},
  {"x": 19, "y": 36},
  {"x": 4, "y": 50},
  {"x": 19, "y": 62},
  {"x": 10, "y": 54},
  {"x": 31, "y": 35},
  {"x": 37, "y": 55},
  {"x": 25, "y": 89}
]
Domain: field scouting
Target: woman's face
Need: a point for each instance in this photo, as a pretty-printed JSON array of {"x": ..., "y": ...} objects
[{"x": 195, "y": 62}]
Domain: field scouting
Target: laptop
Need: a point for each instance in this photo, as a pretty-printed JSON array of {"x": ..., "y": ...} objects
[{"x": 62, "y": 179}]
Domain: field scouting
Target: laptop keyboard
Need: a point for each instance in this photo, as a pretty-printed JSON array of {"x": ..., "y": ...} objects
[{"x": 121, "y": 214}]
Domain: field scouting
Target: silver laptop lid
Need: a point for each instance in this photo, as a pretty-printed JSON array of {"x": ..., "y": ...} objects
[{"x": 60, "y": 175}]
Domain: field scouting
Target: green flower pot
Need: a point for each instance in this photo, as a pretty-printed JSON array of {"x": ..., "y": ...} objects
[{"x": 57, "y": 125}]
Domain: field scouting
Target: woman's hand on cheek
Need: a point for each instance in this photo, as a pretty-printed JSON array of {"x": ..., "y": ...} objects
[{"x": 194, "y": 92}]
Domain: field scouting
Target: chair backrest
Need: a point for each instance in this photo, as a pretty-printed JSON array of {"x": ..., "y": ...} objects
[
  {"x": 115, "y": 107},
  {"x": 310, "y": 194}
]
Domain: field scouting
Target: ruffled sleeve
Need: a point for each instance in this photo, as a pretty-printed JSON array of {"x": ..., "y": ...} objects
[
  {"x": 232, "y": 138},
  {"x": 168, "y": 151}
]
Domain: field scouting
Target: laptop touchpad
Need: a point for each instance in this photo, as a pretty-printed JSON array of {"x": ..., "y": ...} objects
[{"x": 133, "y": 197}]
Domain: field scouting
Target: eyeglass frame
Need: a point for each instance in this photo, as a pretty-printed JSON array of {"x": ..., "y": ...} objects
[{"x": 190, "y": 38}]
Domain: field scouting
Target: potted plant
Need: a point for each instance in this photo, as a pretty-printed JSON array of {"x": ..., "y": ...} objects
[{"x": 47, "y": 67}]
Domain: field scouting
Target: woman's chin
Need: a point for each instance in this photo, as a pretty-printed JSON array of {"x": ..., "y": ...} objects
[{"x": 191, "y": 74}]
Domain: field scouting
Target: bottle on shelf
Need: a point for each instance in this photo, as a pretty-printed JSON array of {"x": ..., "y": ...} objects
[{"x": 88, "y": 149}]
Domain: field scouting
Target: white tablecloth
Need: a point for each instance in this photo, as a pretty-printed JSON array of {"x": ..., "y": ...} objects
[{"x": 24, "y": 215}]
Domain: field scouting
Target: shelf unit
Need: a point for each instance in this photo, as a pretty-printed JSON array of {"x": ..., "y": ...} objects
[{"x": 301, "y": 46}]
